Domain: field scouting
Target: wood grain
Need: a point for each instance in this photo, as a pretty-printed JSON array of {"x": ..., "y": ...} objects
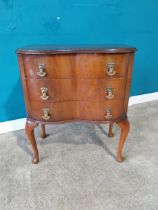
[
  {"x": 75, "y": 65},
  {"x": 70, "y": 89}
]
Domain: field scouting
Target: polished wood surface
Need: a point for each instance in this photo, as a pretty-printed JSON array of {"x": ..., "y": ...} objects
[
  {"x": 80, "y": 48},
  {"x": 70, "y": 90},
  {"x": 77, "y": 84},
  {"x": 76, "y": 65},
  {"x": 81, "y": 110}
]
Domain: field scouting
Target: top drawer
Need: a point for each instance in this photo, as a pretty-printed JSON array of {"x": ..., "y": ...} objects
[
  {"x": 76, "y": 65},
  {"x": 51, "y": 66}
]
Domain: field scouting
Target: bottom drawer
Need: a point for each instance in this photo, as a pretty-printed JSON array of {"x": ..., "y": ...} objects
[
  {"x": 77, "y": 110},
  {"x": 55, "y": 111}
]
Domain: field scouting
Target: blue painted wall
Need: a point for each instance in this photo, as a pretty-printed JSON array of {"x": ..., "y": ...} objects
[{"x": 75, "y": 21}]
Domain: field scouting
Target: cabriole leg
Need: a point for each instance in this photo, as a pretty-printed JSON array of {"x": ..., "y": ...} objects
[
  {"x": 29, "y": 129},
  {"x": 43, "y": 132},
  {"x": 110, "y": 134},
  {"x": 125, "y": 126}
]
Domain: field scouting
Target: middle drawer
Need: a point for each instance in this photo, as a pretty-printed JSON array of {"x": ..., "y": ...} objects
[{"x": 56, "y": 90}]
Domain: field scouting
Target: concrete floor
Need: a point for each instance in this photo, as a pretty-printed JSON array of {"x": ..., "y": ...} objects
[{"x": 78, "y": 170}]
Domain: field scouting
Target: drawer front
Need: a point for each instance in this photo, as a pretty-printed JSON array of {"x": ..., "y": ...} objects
[
  {"x": 102, "y": 65},
  {"x": 88, "y": 110},
  {"x": 81, "y": 89},
  {"x": 103, "y": 89},
  {"x": 52, "y": 90},
  {"x": 108, "y": 110},
  {"x": 52, "y": 66},
  {"x": 55, "y": 111},
  {"x": 79, "y": 65}
]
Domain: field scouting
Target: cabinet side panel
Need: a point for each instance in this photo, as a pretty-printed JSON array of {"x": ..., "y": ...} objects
[
  {"x": 128, "y": 82},
  {"x": 22, "y": 72}
]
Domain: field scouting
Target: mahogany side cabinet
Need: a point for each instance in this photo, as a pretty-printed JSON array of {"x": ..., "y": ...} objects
[{"x": 76, "y": 83}]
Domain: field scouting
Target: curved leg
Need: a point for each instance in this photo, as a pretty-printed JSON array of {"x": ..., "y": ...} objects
[
  {"x": 29, "y": 129},
  {"x": 110, "y": 134},
  {"x": 43, "y": 132},
  {"x": 125, "y": 126}
]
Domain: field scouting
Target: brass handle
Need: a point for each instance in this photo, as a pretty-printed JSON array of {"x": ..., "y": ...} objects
[
  {"x": 46, "y": 115},
  {"x": 109, "y": 93},
  {"x": 110, "y": 69},
  {"x": 108, "y": 114},
  {"x": 41, "y": 70},
  {"x": 44, "y": 95}
]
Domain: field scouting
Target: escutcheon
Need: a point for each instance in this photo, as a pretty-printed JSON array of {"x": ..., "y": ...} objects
[
  {"x": 41, "y": 70},
  {"x": 44, "y": 95},
  {"x": 108, "y": 114},
  {"x": 46, "y": 115},
  {"x": 109, "y": 93},
  {"x": 110, "y": 69}
]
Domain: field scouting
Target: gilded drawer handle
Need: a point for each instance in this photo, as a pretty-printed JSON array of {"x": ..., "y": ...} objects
[
  {"x": 41, "y": 70},
  {"x": 44, "y": 95},
  {"x": 110, "y": 69},
  {"x": 46, "y": 115},
  {"x": 108, "y": 114},
  {"x": 109, "y": 93}
]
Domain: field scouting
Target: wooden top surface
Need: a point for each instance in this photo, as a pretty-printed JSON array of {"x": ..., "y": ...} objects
[{"x": 58, "y": 49}]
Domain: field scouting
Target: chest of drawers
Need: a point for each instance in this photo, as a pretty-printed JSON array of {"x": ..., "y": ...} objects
[{"x": 76, "y": 83}]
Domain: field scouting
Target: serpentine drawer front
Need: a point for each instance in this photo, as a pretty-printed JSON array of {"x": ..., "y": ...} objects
[{"x": 76, "y": 83}]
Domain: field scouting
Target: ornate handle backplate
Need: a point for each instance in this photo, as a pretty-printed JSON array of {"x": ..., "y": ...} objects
[
  {"x": 110, "y": 69},
  {"x": 108, "y": 114},
  {"x": 109, "y": 93},
  {"x": 44, "y": 92},
  {"x": 46, "y": 115},
  {"x": 41, "y": 70}
]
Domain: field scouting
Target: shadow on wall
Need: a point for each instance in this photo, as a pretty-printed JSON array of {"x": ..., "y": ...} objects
[{"x": 15, "y": 106}]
